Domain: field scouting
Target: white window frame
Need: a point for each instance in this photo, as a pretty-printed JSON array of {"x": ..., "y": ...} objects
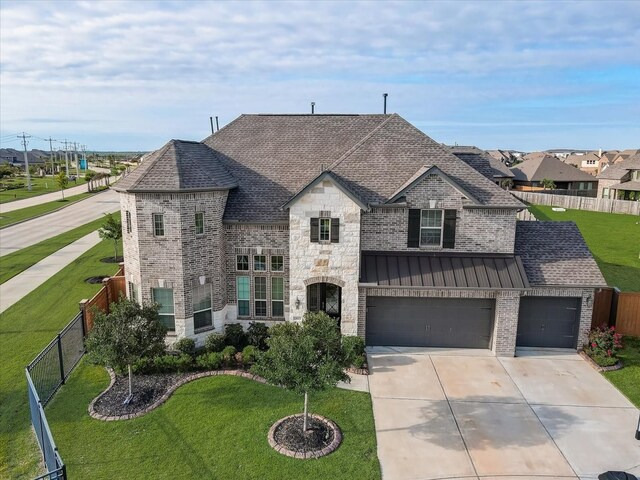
[
  {"x": 155, "y": 230},
  {"x": 207, "y": 289},
  {"x": 324, "y": 221},
  {"x": 173, "y": 307},
  {"x": 201, "y": 215},
  {"x": 262, "y": 300},
  {"x": 441, "y": 228},
  {"x": 605, "y": 192},
  {"x": 133, "y": 292},
  {"x": 266, "y": 265},
  {"x": 281, "y": 269},
  {"x": 248, "y": 257},
  {"x": 273, "y": 300}
]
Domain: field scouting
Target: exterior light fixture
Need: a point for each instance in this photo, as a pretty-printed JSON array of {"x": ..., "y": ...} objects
[{"x": 297, "y": 303}]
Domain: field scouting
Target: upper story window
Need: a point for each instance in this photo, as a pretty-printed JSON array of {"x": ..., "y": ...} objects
[
  {"x": 325, "y": 230},
  {"x": 243, "y": 296},
  {"x": 260, "y": 296},
  {"x": 277, "y": 263},
  {"x": 166, "y": 314},
  {"x": 242, "y": 263},
  {"x": 259, "y": 263},
  {"x": 128, "y": 220},
  {"x": 199, "y": 223},
  {"x": 431, "y": 228},
  {"x": 158, "y": 224}
]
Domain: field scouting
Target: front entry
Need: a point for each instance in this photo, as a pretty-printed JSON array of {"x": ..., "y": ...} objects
[{"x": 325, "y": 297}]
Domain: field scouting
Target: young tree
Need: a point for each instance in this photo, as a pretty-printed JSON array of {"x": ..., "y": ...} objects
[
  {"x": 63, "y": 181},
  {"x": 128, "y": 333},
  {"x": 548, "y": 184},
  {"x": 111, "y": 230},
  {"x": 507, "y": 183},
  {"x": 304, "y": 358}
]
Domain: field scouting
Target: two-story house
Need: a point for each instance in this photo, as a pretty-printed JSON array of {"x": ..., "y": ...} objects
[
  {"x": 621, "y": 180},
  {"x": 362, "y": 216}
]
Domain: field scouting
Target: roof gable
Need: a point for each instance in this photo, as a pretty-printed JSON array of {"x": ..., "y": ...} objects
[
  {"x": 424, "y": 172},
  {"x": 536, "y": 170},
  {"x": 326, "y": 175}
]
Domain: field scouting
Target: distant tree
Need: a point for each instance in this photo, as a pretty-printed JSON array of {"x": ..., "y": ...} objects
[
  {"x": 63, "y": 181},
  {"x": 507, "y": 183},
  {"x": 128, "y": 333},
  {"x": 304, "y": 358},
  {"x": 548, "y": 184},
  {"x": 111, "y": 230},
  {"x": 7, "y": 170}
]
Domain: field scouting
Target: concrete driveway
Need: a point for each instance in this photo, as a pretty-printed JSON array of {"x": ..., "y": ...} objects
[{"x": 458, "y": 414}]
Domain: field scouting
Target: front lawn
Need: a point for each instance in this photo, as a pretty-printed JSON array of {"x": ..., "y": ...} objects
[
  {"x": 612, "y": 239},
  {"x": 25, "y": 329},
  {"x": 627, "y": 380},
  {"x": 215, "y": 427},
  {"x": 9, "y": 218}
]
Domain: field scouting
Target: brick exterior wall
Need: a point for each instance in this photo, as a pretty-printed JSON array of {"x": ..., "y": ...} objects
[
  {"x": 477, "y": 230},
  {"x": 505, "y": 325},
  {"x": 606, "y": 183}
]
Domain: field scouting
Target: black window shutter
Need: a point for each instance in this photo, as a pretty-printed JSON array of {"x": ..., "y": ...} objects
[
  {"x": 413, "y": 238},
  {"x": 335, "y": 230},
  {"x": 449, "y": 230},
  {"x": 315, "y": 230}
]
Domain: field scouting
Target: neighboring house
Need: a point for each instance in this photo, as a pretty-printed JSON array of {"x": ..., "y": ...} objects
[
  {"x": 535, "y": 156},
  {"x": 16, "y": 157},
  {"x": 504, "y": 156},
  {"x": 625, "y": 154},
  {"x": 484, "y": 163},
  {"x": 361, "y": 216},
  {"x": 530, "y": 174},
  {"x": 621, "y": 180},
  {"x": 588, "y": 162}
]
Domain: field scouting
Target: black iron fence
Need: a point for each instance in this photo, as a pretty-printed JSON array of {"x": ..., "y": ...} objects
[{"x": 45, "y": 374}]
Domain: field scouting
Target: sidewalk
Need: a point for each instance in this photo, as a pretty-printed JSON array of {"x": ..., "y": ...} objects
[
  {"x": 22, "y": 284},
  {"x": 47, "y": 197}
]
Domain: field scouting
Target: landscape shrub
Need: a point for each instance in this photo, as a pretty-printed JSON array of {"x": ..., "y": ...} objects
[
  {"x": 257, "y": 335},
  {"x": 250, "y": 354},
  {"x": 353, "y": 347},
  {"x": 172, "y": 363},
  {"x": 235, "y": 335},
  {"x": 604, "y": 361},
  {"x": 14, "y": 186},
  {"x": 229, "y": 354},
  {"x": 214, "y": 342},
  {"x": 89, "y": 175},
  {"x": 604, "y": 342},
  {"x": 209, "y": 361},
  {"x": 186, "y": 346}
]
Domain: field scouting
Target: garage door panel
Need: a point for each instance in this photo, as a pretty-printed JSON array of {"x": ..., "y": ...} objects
[
  {"x": 548, "y": 322},
  {"x": 430, "y": 322}
]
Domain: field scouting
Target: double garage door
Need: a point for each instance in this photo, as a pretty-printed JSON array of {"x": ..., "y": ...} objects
[
  {"x": 429, "y": 322},
  {"x": 551, "y": 322}
]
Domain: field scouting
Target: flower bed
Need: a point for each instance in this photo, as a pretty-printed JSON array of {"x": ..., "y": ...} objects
[
  {"x": 603, "y": 344},
  {"x": 321, "y": 438}
]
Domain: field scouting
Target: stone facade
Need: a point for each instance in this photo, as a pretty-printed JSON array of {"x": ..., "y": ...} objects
[{"x": 337, "y": 263}]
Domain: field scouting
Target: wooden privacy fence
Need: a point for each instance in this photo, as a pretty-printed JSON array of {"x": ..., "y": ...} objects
[
  {"x": 622, "y": 309},
  {"x": 580, "y": 203},
  {"x": 112, "y": 288}
]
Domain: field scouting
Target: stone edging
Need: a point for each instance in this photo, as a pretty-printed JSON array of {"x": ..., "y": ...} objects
[
  {"x": 337, "y": 439},
  {"x": 597, "y": 367},
  {"x": 167, "y": 394},
  {"x": 359, "y": 371}
]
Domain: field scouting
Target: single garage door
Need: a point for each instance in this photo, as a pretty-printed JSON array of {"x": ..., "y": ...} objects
[
  {"x": 551, "y": 322},
  {"x": 429, "y": 322}
]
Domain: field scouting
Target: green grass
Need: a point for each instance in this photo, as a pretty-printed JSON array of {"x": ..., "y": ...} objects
[
  {"x": 214, "y": 427},
  {"x": 9, "y": 218},
  {"x": 612, "y": 239},
  {"x": 25, "y": 329},
  {"x": 39, "y": 186},
  {"x": 17, "y": 262},
  {"x": 627, "y": 380}
]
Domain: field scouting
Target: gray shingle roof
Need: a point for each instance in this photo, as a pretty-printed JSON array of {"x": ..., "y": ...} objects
[
  {"x": 554, "y": 253},
  {"x": 179, "y": 166},
  {"x": 551, "y": 168},
  {"x": 618, "y": 170},
  {"x": 633, "y": 185},
  {"x": 482, "y": 162},
  {"x": 275, "y": 156}
]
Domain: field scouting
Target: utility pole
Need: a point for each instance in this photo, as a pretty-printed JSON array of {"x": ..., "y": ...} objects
[
  {"x": 75, "y": 155},
  {"x": 51, "y": 153},
  {"x": 26, "y": 158},
  {"x": 66, "y": 158}
]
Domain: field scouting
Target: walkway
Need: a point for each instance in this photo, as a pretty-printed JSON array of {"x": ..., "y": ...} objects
[
  {"x": 465, "y": 414},
  {"x": 45, "y": 198},
  {"x": 22, "y": 284},
  {"x": 38, "y": 229}
]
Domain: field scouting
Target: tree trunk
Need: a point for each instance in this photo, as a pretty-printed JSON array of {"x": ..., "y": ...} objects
[
  {"x": 115, "y": 248},
  {"x": 306, "y": 414},
  {"x": 130, "y": 381}
]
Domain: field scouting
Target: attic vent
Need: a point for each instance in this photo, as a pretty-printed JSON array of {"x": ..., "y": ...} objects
[{"x": 433, "y": 175}]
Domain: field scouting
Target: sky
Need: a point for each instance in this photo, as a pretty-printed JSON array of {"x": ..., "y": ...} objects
[{"x": 133, "y": 75}]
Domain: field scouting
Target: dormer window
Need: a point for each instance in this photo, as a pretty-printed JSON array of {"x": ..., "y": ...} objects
[
  {"x": 431, "y": 222},
  {"x": 431, "y": 228}
]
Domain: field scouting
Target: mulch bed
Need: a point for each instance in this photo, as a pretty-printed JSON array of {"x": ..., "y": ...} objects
[
  {"x": 597, "y": 367},
  {"x": 321, "y": 438},
  {"x": 97, "y": 279},
  {"x": 147, "y": 389}
]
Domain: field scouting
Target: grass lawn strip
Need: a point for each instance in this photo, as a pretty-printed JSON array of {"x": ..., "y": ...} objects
[
  {"x": 25, "y": 329},
  {"x": 214, "y": 427},
  {"x": 19, "y": 261},
  {"x": 627, "y": 380},
  {"x": 612, "y": 239},
  {"x": 39, "y": 186},
  {"x": 16, "y": 216}
]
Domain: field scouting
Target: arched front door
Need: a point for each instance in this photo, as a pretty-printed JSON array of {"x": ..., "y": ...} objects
[{"x": 325, "y": 297}]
